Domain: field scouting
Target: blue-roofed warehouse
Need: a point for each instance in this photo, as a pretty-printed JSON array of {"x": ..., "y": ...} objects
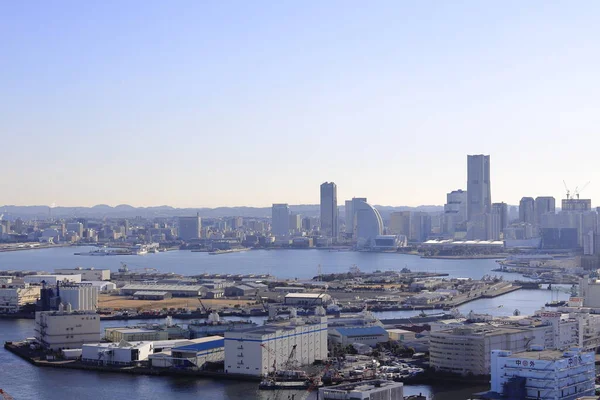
[
  {"x": 369, "y": 335},
  {"x": 194, "y": 353}
]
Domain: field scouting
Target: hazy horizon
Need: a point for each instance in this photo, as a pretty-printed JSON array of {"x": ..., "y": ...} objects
[{"x": 215, "y": 104}]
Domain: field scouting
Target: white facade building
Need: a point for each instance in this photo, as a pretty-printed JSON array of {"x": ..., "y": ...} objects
[
  {"x": 368, "y": 222},
  {"x": 12, "y": 298},
  {"x": 547, "y": 374},
  {"x": 589, "y": 289},
  {"x": 81, "y": 297},
  {"x": 194, "y": 354},
  {"x": 307, "y": 299},
  {"x": 467, "y": 349},
  {"x": 254, "y": 351},
  {"x": 366, "y": 390},
  {"x": 102, "y": 286},
  {"x": 66, "y": 329},
  {"x": 87, "y": 274},
  {"x": 122, "y": 353},
  {"x": 52, "y": 279}
]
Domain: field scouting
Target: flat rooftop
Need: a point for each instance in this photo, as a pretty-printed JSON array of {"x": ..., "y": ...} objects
[{"x": 549, "y": 355}]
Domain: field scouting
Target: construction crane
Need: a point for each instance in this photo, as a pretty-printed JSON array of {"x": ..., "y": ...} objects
[
  {"x": 567, "y": 189},
  {"x": 206, "y": 310},
  {"x": 577, "y": 191},
  {"x": 5, "y": 396},
  {"x": 289, "y": 364}
]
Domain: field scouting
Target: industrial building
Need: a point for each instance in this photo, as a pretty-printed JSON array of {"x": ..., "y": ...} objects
[
  {"x": 134, "y": 334},
  {"x": 369, "y": 335},
  {"x": 365, "y": 390},
  {"x": 307, "y": 299},
  {"x": 194, "y": 353},
  {"x": 151, "y": 295},
  {"x": 174, "y": 290},
  {"x": 466, "y": 350},
  {"x": 81, "y": 297},
  {"x": 87, "y": 274},
  {"x": 256, "y": 351},
  {"x": 66, "y": 329},
  {"x": 543, "y": 374},
  {"x": 401, "y": 335},
  {"x": 13, "y": 298},
  {"x": 240, "y": 290},
  {"x": 122, "y": 353},
  {"x": 52, "y": 279},
  {"x": 102, "y": 286}
]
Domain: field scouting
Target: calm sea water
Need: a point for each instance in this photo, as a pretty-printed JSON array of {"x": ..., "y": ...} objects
[
  {"x": 301, "y": 264},
  {"x": 24, "y": 381}
]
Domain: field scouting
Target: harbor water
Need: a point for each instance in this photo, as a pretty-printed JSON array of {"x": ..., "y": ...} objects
[{"x": 24, "y": 381}]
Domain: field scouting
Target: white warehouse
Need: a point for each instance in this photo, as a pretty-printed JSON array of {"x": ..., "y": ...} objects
[
  {"x": 87, "y": 274},
  {"x": 254, "y": 351},
  {"x": 52, "y": 279},
  {"x": 12, "y": 298},
  {"x": 543, "y": 374},
  {"x": 122, "y": 353},
  {"x": 66, "y": 329}
]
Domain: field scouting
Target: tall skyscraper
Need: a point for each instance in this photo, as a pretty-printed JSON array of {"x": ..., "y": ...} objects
[
  {"x": 349, "y": 217},
  {"x": 280, "y": 220},
  {"x": 295, "y": 222},
  {"x": 479, "y": 199},
  {"x": 501, "y": 209},
  {"x": 329, "y": 210},
  {"x": 544, "y": 205},
  {"x": 190, "y": 227},
  {"x": 455, "y": 211},
  {"x": 527, "y": 210}
]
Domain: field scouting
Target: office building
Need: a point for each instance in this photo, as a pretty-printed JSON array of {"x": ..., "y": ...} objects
[
  {"x": 478, "y": 185},
  {"x": 365, "y": 390},
  {"x": 455, "y": 211},
  {"x": 306, "y": 224},
  {"x": 260, "y": 350},
  {"x": 295, "y": 222},
  {"x": 544, "y": 205},
  {"x": 420, "y": 227},
  {"x": 76, "y": 227},
  {"x": 527, "y": 210},
  {"x": 280, "y": 220},
  {"x": 190, "y": 227},
  {"x": 400, "y": 223},
  {"x": 349, "y": 218},
  {"x": 501, "y": 209},
  {"x": 543, "y": 374},
  {"x": 329, "y": 210},
  {"x": 66, "y": 329},
  {"x": 579, "y": 205}
]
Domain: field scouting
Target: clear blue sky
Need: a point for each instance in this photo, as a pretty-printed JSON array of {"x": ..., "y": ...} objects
[{"x": 208, "y": 103}]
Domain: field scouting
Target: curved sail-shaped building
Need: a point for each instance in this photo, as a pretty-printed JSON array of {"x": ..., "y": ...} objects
[{"x": 368, "y": 222}]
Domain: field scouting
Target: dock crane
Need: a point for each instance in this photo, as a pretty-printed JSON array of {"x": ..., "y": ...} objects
[{"x": 289, "y": 364}]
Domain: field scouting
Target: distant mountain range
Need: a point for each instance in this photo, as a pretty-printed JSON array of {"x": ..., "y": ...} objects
[{"x": 127, "y": 211}]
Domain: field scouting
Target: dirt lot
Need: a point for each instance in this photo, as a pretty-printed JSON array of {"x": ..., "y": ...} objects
[{"x": 120, "y": 302}]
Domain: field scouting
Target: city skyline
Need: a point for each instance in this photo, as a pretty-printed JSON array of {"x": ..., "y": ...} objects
[{"x": 141, "y": 110}]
